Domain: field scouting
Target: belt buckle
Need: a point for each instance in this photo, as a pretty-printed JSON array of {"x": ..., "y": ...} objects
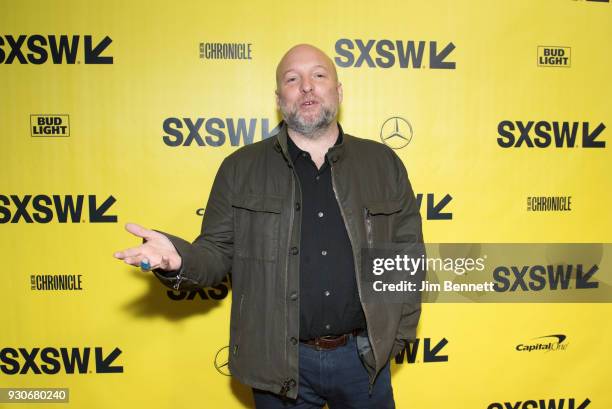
[{"x": 329, "y": 338}]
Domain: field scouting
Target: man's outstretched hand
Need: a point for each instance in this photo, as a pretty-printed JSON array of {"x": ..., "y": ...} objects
[{"x": 157, "y": 250}]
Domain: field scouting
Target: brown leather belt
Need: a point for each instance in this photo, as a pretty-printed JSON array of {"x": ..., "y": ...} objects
[{"x": 329, "y": 342}]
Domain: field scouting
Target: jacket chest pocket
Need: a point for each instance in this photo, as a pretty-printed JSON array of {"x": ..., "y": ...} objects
[
  {"x": 379, "y": 219},
  {"x": 257, "y": 227}
]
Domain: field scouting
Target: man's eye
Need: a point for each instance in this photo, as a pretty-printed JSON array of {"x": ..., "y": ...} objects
[{"x": 291, "y": 79}]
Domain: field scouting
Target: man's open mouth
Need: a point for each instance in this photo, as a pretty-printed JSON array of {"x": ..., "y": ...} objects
[{"x": 309, "y": 103}]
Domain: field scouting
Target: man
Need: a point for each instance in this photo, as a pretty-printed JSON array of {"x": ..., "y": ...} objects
[{"x": 288, "y": 216}]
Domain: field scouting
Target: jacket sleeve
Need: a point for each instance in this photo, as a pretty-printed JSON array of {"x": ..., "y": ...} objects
[
  {"x": 207, "y": 260},
  {"x": 408, "y": 229}
]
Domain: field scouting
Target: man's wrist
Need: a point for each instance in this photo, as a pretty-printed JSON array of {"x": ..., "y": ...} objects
[{"x": 176, "y": 263}]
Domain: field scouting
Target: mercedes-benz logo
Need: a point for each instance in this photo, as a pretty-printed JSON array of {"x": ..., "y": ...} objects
[
  {"x": 396, "y": 132},
  {"x": 221, "y": 361}
]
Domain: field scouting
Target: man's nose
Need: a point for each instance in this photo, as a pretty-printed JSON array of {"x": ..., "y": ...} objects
[{"x": 306, "y": 85}]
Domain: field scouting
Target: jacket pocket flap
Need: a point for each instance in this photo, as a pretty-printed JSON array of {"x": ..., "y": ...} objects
[
  {"x": 387, "y": 207},
  {"x": 269, "y": 204}
]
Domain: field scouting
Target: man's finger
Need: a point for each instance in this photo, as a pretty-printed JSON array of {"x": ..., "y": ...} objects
[
  {"x": 139, "y": 231},
  {"x": 135, "y": 261},
  {"x": 165, "y": 263},
  {"x": 155, "y": 262},
  {"x": 134, "y": 251}
]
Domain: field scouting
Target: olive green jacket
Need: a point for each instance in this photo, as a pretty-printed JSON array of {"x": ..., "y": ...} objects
[{"x": 251, "y": 227}]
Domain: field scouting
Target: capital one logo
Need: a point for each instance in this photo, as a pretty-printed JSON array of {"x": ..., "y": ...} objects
[
  {"x": 37, "y": 48},
  {"x": 547, "y": 343},
  {"x": 396, "y": 132}
]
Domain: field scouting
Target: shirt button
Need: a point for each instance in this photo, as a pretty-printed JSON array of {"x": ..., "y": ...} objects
[
  {"x": 324, "y": 252},
  {"x": 294, "y": 250},
  {"x": 297, "y": 206},
  {"x": 320, "y": 214},
  {"x": 317, "y": 177},
  {"x": 327, "y": 326},
  {"x": 304, "y": 155},
  {"x": 293, "y": 296},
  {"x": 294, "y": 341},
  {"x": 327, "y": 293}
]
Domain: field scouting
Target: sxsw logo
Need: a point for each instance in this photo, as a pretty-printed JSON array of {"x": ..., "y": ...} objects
[
  {"x": 49, "y": 125},
  {"x": 387, "y": 53},
  {"x": 215, "y": 131},
  {"x": 554, "y": 56},
  {"x": 539, "y": 277},
  {"x": 428, "y": 351},
  {"x": 37, "y": 48},
  {"x": 562, "y": 403},
  {"x": 542, "y": 134},
  {"x": 65, "y": 209},
  {"x": 50, "y": 360},
  {"x": 434, "y": 208}
]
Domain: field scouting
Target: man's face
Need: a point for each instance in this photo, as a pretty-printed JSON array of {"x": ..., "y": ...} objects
[{"x": 308, "y": 92}]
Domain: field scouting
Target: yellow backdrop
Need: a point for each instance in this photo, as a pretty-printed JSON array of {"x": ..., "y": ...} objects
[{"x": 132, "y": 122}]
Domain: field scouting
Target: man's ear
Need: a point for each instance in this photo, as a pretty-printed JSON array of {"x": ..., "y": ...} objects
[
  {"x": 277, "y": 98},
  {"x": 339, "y": 88}
]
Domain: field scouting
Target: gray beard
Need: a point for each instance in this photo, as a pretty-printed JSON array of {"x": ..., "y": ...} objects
[{"x": 309, "y": 130}]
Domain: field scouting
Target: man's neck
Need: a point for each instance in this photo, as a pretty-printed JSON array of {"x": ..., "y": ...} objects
[{"x": 316, "y": 144}]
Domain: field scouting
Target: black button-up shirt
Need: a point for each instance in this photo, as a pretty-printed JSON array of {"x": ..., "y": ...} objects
[{"x": 329, "y": 299}]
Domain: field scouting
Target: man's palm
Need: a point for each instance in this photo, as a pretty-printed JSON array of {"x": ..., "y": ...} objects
[{"x": 157, "y": 249}]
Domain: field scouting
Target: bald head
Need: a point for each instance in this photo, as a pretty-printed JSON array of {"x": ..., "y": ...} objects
[
  {"x": 303, "y": 55},
  {"x": 308, "y": 93}
]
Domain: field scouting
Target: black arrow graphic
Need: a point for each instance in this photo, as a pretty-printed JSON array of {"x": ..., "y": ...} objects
[
  {"x": 103, "y": 364},
  {"x": 582, "y": 279},
  {"x": 96, "y": 214},
  {"x": 437, "y": 60},
  {"x": 431, "y": 355},
  {"x": 92, "y": 56},
  {"x": 584, "y": 404},
  {"x": 588, "y": 139},
  {"x": 435, "y": 212}
]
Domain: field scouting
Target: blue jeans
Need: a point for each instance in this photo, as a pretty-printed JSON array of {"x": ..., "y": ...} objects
[{"x": 336, "y": 377}]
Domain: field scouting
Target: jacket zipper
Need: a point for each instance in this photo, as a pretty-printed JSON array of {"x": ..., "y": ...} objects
[
  {"x": 368, "y": 228},
  {"x": 235, "y": 350},
  {"x": 357, "y": 267}
]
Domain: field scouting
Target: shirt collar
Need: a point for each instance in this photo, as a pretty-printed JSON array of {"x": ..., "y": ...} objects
[{"x": 295, "y": 151}]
